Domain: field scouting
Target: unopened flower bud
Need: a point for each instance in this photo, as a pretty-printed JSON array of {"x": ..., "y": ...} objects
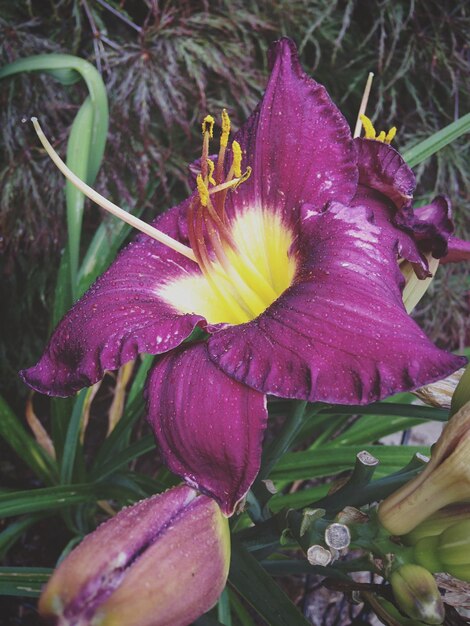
[
  {"x": 417, "y": 595},
  {"x": 425, "y": 554},
  {"x": 438, "y": 522},
  {"x": 453, "y": 550},
  {"x": 445, "y": 480},
  {"x": 161, "y": 562}
]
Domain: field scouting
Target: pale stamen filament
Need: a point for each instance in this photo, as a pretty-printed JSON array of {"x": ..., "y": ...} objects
[
  {"x": 363, "y": 105},
  {"x": 234, "y": 182},
  {"x": 109, "y": 206}
]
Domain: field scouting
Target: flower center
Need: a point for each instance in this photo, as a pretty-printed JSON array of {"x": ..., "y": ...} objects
[
  {"x": 244, "y": 259},
  {"x": 258, "y": 270}
]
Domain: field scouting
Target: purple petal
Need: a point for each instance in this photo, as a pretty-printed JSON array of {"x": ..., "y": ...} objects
[
  {"x": 431, "y": 226},
  {"x": 208, "y": 426},
  {"x": 383, "y": 169},
  {"x": 341, "y": 333},
  {"x": 385, "y": 216},
  {"x": 121, "y": 316},
  {"x": 458, "y": 250},
  {"x": 297, "y": 142}
]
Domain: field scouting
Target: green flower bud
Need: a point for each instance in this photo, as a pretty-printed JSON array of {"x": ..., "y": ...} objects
[
  {"x": 417, "y": 595},
  {"x": 453, "y": 550},
  {"x": 445, "y": 480},
  {"x": 438, "y": 522},
  {"x": 424, "y": 553},
  {"x": 161, "y": 562}
]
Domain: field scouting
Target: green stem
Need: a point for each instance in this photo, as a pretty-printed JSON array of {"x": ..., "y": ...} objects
[
  {"x": 259, "y": 496},
  {"x": 281, "y": 444}
]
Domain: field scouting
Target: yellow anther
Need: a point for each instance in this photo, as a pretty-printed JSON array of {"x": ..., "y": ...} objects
[
  {"x": 237, "y": 159},
  {"x": 225, "y": 129},
  {"x": 211, "y": 166},
  {"x": 202, "y": 190},
  {"x": 245, "y": 176},
  {"x": 208, "y": 125},
  {"x": 368, "y": 127},
  {"x": 390, "y": 135},
  {"x": 370, "y": 132}
]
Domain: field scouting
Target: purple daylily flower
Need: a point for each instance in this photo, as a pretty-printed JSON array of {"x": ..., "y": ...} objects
[{"x": 297, "y": 284}]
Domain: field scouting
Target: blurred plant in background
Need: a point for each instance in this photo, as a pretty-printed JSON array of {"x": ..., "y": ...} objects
[{"x": 165, "y": 64}]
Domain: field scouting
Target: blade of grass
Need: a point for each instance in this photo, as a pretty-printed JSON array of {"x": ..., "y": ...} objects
[
  {"x": 223, "y": 609},
  {"x": 23, "y": 581},
  {"x": 120, "y": 436},
  {"x": 17, "y": 437},
  {"x": 13, "y": 532},
  {"x": 436, "y": 142},
  {"x": 242, "y": 614},
  {"x": 134, "y": 451},
  {"x": 87, "y": 139},
  {"x": 315, "y": 463},
  {"x": 54, "y": 62},
  {"x": 46, "y": 499},
  {"x": 258, "y": 588},
  {"x": 370, "y": 428},
  {"x": 78, "y": 150},
  {"x": 72, "y": 439}
]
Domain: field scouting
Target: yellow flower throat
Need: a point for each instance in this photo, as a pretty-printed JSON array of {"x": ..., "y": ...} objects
[{"x": 244, "y": 260}]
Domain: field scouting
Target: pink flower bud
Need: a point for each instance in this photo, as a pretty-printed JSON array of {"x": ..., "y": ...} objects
[{"x": 162, "y": 562}]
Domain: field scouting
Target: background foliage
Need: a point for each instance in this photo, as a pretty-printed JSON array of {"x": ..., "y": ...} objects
[{"x": 165, "y": 65}]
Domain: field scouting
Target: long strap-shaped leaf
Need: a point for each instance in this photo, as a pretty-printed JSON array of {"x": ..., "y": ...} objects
[
  {"x": 436, "y": 142},
  {"x": 23, "y": 581},
  {"x": 16, "y": 436},
  {"x": 87, "y": 138},
  {"x": 258, "y": 588}
]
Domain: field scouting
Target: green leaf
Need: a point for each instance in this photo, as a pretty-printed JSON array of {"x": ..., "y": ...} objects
[
  {"x": 369, "y": 428},
  {"x": 298, "y": 499},
  {"x": 23, "y": 581},
  {"x": 12, "y": 533},
  {"x": 61, "y": 409},
  {"x": 120, "y": 436},
  {"x": 25, "y": 446},
  {"x": 87, "y": 139},
  {"x": 106, "y": 241},
  {"x": 390, "y": 408},
  {"x": 207, "y": 620},
  {"x": 223, "y": 609},
  {"x": 72, "y": 439},
  {"x": 330, "y": 461},
  {"x": 242, "y": 614},
  {"x": 135, "y": 392},
  {"x": 47, "y": 499},
  {"x": 258, "y": 588},
  {"x": 132, "y": 452},
  {"x": 66, "y": 62},
  {"x": 63, "y": 298},
  {"x": 436, "y": 142},
  {"x": 78, "y": 150}
]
